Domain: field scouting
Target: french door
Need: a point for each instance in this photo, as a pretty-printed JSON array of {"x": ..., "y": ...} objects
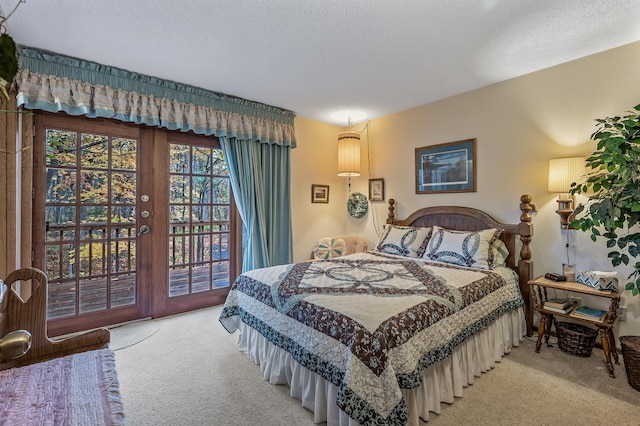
[
  {"x": 129, "y": 221},
  {"x": 198, "y": 252}
]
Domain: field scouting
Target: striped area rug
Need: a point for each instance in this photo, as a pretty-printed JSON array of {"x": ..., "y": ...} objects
[{"x": 77, "y": 390}]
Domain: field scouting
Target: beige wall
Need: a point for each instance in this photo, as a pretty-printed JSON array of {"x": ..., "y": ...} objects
[
  {"x": 314, "y": 161},
  {"x": 519, "y": 124}
]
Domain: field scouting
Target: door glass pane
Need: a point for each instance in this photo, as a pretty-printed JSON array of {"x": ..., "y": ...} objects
[
  {"x": 179, "y": 161},
  {"x": 92, "y": 292},
  {"x": 201, "y": 190},
  {"x": 121, "y": 289},
  {"x": 179, "y": 216},
  {"x": 94, "y": 151},
  {"x": 220, "y": 190},
  {"x": 218, "y": 163},
  {"x": 94, "y": 187},
  {"x": 123, "y": 188},
  {"x": 124, "y": 154},
  {"x": 61, "y": 147},
  {"x": 61, "y": 298},
  {"x": 179, "y": 189},
  {"x": 123, "y": 214},
  {"x": 60, "y": 215},
  {"x": 179, "y": 280},
  {"x": 61, "y": 185},
  {"x": 201, "y": 161},
  {"x": 94, "y": 217}
]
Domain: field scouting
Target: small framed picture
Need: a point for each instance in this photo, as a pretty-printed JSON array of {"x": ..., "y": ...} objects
[
  {"x": 376, "y": 189},
  {"x": 319, "y": 193}
]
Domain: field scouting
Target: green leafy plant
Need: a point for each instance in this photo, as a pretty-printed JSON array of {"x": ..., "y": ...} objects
[
  {"x": 613, "y": 207},
  {"x": 8, "y": 63}
]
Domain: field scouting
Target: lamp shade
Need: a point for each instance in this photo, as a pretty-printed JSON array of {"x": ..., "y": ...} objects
[
  {"x": 349, "y": 154},
  {"x": 564, "y": 171}
]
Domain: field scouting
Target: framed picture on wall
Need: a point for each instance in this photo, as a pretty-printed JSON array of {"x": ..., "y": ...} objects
[
  {"x": 376, "y": 189},
  {"x": 447, "y": 167},
  {"x": 319, "y": 193}
]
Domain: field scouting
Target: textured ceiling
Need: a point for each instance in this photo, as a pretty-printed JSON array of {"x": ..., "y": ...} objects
[{"x": 324, "y": 57}]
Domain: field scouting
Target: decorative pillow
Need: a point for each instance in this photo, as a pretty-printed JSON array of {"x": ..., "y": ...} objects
[
  {"x": 403, "y": 240},
  {"x": 500, "y": 253},
  {"x": 328, "y": 248},
  {"x": 465, "y": 248}
]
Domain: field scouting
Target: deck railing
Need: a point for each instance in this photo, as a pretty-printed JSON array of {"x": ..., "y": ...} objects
[{"x": 101, "y": 261}]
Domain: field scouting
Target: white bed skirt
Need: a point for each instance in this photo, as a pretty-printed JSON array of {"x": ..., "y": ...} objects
[{"x": 441, "y": 382}]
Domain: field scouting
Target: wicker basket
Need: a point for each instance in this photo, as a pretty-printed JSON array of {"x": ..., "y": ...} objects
[
  {"x": 576, "y": 339},
  {"x": 631, "y": 354}
]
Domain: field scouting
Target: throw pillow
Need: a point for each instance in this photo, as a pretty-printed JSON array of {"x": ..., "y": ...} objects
[
  {"x": 462, "y": 247},
  {"x": 328, "y": 248},
  {"x": 403, "y": 240},
  {"x": 500, "y": 253}
]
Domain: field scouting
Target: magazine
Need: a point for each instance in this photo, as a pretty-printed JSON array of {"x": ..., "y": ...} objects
[
  {"x": 564, "y": 310},
  {"x": 589, "y": 313},
  {"x": 557, "y": 303}
]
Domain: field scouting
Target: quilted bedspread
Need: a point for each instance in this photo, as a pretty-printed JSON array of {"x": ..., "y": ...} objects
[{"x": 370, "y": 323}]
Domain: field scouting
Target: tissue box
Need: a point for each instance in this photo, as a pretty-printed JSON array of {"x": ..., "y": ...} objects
[{"x": 597, "y": 280}]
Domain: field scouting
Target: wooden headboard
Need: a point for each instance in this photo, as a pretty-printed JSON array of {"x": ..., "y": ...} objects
[{"x": 471, "y": 219}]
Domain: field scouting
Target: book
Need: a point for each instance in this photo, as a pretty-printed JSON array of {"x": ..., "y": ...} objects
[
  {"x": 589, "y": 313},
  {"x": 564, "y": 310},
  {"x": 557, "y": 303}
]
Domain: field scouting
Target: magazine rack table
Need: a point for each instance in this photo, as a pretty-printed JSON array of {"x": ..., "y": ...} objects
[{"x": 538, "y": 292}]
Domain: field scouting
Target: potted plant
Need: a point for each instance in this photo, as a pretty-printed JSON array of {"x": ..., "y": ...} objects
[
  {"x": 612, "y": 210},
  {"x": 8, "y": 63}
]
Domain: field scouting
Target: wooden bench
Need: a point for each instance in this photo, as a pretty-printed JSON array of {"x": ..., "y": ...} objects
[{"x": 31, "y": 315}]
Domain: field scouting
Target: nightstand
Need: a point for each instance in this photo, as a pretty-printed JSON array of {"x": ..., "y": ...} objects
[{"x": 539, "y": 288}]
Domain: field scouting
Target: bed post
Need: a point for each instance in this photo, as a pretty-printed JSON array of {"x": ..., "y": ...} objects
[
  {"x": 391, "y": 217},
  {"x": 525, "y": 265}
]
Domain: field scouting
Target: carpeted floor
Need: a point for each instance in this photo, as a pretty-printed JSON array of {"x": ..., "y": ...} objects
[
  {"x": 132, "y": 333},
  {"x": 553, "y": 398},
  {"x": 586, "y": 372},
  {"x": 191, "y": 373}
]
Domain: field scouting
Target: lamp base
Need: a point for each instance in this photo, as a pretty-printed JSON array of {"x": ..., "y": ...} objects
[{"x": 565, "y": 211}]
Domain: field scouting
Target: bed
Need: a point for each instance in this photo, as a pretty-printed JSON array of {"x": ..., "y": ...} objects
[{"x": 385, "y": 337}]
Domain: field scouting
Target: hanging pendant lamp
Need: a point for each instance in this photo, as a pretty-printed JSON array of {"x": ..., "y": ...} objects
[{"x": 349, "y": 154}]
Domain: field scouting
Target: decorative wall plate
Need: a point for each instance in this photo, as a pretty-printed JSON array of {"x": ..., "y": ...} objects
[{"x": 357, "y": 205}]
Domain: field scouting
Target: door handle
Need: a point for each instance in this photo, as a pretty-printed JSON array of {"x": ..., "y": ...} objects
[{"x": 143, "y": 230}]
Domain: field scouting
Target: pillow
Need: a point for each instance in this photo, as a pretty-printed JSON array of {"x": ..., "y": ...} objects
[
  {"x": 465, "y": 248},
  {"x": 328, "y": 248},
  {"x": 500, "y": 253},
  {"x": 403, "y": 240}
]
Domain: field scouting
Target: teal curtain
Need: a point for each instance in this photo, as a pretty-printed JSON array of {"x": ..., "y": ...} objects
[
  {"x": 260, "y": 177},
  {"x": 256, "y": 138}
]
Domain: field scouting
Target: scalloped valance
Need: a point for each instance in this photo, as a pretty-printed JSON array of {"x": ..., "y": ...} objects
[{"x": 53, "y": 82}]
